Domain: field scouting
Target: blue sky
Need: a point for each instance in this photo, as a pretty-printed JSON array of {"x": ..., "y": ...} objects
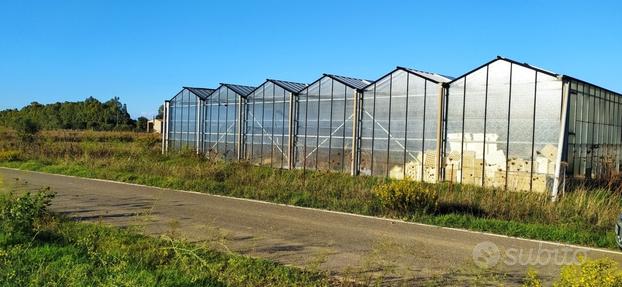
[{"x": 144, "y": 51}]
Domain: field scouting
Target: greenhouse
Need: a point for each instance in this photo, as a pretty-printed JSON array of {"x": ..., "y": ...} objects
[
  {"x": 505, "y": 124},
  {"x": 324, "y": 123},
  {"x": 222, "y": 117},
  {"x": 514, "y": 126},
  {"x": 267, "y": 127},
  {"x": 182, "y": 110},
  {"x": 398, "y": 129}
]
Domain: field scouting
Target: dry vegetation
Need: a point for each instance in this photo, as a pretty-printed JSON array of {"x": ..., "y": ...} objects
[{"x": 584, "y": 215}]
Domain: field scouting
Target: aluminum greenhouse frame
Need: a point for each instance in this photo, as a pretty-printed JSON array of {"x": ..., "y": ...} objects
[
  {"x": 223, "y": 117},
  {"x": 324, "y": 123},
  {"x": 505, "y": 124},
  {"x": 514, "y": 126},
  {"x": 398, "y": 125},
  {"x": 267, "y": 127},
  {"x": 181, "y": 111}
]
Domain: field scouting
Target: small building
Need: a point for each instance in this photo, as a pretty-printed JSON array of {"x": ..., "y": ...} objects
[{"x": 154, "y": 126}]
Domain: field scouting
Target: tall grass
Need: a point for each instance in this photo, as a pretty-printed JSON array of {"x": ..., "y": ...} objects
[{"x": 584, "y": 215}]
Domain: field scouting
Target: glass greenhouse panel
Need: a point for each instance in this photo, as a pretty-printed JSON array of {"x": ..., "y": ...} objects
[
  {"x": 507, "y": 133},
  {"x": 307, "y": 127},
  {"x": 548, "y": 105},
  {"x": 453, "y": 130},
  {"x": 473, "y": 134},
  {"x": 497, "y": 124},
  {"x": 594, "y": 131},
  {"x": 324, "y": 126},
  {"x": 415, "y": 110},
  {"x": 399, "y": 127},
  {"x": 267, "y": 126},
  {"x": 221, "y": 124},
  {"x": 183, "y": 120}
]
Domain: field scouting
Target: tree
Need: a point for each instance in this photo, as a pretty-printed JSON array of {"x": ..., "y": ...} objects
[
  {"x": 141, "y": 124},
  {"x": 88, "y": 114},
  {"x": 27, "y": 130},
  {"x": 160, "y": 112}
]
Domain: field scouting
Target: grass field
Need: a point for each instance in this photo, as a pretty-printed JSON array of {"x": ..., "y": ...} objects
[{"x": 582, "y": 216}]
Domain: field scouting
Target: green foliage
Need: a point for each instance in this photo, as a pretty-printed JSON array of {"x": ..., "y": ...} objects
[
  {"x": 88, "y": 114},
  {"x": 406, "y": 196},
  {"x": 603, "y": 272},
  {"x": 160, "y": 112},
  {"x": 26, "y": 129},
  {"x": 141, "y": 124},
  {"x": 532, "y": 280},
  {"x": 19, "y": 214}
]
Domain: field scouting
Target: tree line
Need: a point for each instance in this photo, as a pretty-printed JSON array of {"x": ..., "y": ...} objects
[{"x": 90, "y": 114}]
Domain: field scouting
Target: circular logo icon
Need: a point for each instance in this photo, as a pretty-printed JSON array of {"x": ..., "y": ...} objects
[{"x": 486, "y": 254}]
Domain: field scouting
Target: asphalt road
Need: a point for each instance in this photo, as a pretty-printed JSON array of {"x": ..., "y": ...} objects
[{"x": 351, "y": 246}]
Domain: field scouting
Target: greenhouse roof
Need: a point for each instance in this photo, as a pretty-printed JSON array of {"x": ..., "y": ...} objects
[
  {"x": 352, "y": 82},
  {"x": 202, "y": 93},
  {"x": 438, "y": 78},
  {"x": 289, "y": 86},
  {"x": 239, "y": 89}
]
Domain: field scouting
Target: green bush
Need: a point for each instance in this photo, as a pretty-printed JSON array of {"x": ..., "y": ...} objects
[
  {"x": 603, "y": 272},
  {"x": 27, "y": 129},
  {"x": 20, "y": 214},
  {"x": 407, "y": 196}
]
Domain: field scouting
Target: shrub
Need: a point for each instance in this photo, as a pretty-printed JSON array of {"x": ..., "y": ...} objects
[
  {"x": 19, "y": 215},
  {"x": 27, "y": 130},
  {"x": 603, "y": 272},
  {"x": 10, "y": 155},
  {"x": 532, "y": 280},
  {"x": 406, "y": 196}
]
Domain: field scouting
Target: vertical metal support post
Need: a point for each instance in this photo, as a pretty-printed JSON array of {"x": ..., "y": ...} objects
[
  {"x": 197, "y": 131},
  {"x": 507, "y": 144},
  {"x": 444, "y": 130},
  {"x": 533, "y": 130},
  {"x": 424, "y": 120},
  {"x": 406, "y": 126},
  {"x": 290, "y": 132},
  {"x": 386, "y": 173},
  {"x": 317, "y": 133},
  {"x": 464, "y": 98},
  {"x": 283, "y": 133},
  {"x": 165, "y": 127},
  {"x": 330, "y": 125},
  {"x": 486, "y": 128},
  {"x": 439, "y": 130},
  {"x": 304, "y": 155},
  {"x": 271, "y": 136},
  {"x": 356, "y": 116},
  {"x": 240, "y": 119},
  {"x": 562, "y": 141},
  {"x": 343, "y": 137}
]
